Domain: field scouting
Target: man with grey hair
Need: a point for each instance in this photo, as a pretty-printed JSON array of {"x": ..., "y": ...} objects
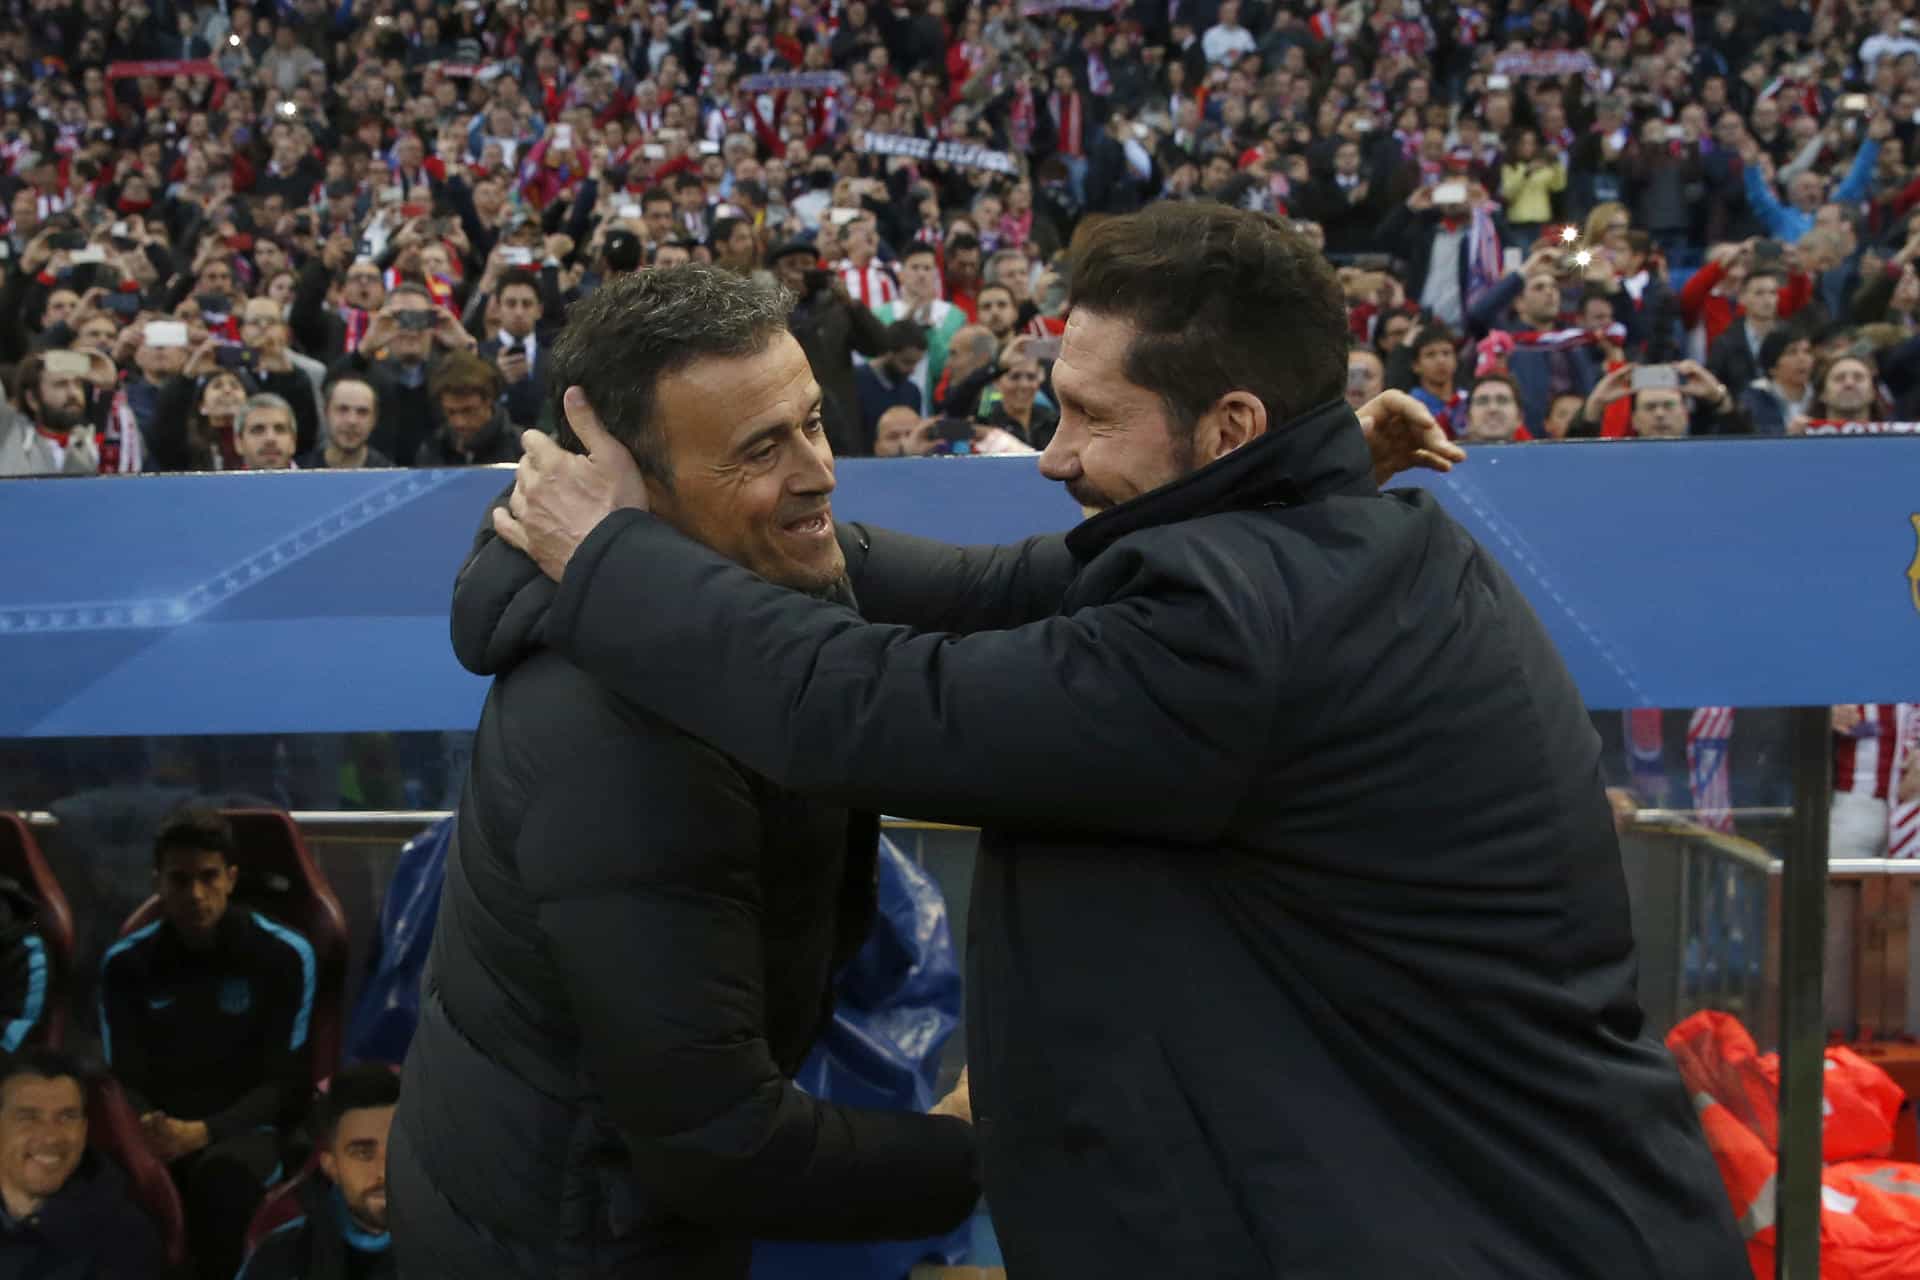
[
  {"x": 265, "y": 440},
  {"x": 637, "y": 936}
]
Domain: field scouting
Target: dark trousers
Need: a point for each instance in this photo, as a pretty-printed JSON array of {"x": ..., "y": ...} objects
[{"x": 220, "y": 1187}]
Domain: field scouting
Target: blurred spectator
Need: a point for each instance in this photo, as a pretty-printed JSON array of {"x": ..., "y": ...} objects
[
  {"x": 395, "y": 355},
  {"x": 1735, "y": 359},
  {"x": 50, "y": 434},
  {"x": 1806, "y": 189},
  {"x": 1366, "y": 376},
  {"x": 1784, "y": 391},
  {"x": 267, "y": 436},
  {"x": 1698, "y": 405},
  {"x": 341, "y": 1232},
  {"x": 271, "y": 366},
  {"x": 353, "y": 407},
  {"x": 1847, "y": 391},
  {"x": 830, "y": 326},
  {"x": 897, "y": 433},
  {"x": 25, "y": 974},
  {"x": 1017, "y": 410},
  {"x": 474, "y": 427},
  {"x": 1562, "y": 414},
  {"x": 516, "y": 349},
  {"x": 65, "y": 1209},
  {"x": 1493, "y": 411},
  {"x": 886, "y": 381},
  {"x": 204, "y": 1016},
  {"x": 1436, "y": 358},
  {"x": 998, "y": 310},
  {"x": 920, "y": 302}
]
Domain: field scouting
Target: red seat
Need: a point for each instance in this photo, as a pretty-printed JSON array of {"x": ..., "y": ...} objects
[
  {"x": 114, "y": 1131},
  {"x": 21, "y": 861},
  {"x": 279, "y": 878},
  {"x": 281, "y": 1206}
]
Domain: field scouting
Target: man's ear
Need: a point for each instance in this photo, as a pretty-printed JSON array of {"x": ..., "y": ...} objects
[{"x": 1238, "y": 418}]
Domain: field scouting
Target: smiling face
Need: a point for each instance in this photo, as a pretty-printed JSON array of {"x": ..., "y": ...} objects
[
  {"x": 752, "y": 469},
  {"x": 1115, "y": 440},
  {"x": 43, "y": 1134}
]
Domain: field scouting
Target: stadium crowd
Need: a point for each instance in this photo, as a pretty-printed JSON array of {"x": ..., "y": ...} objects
[
  {"x": 316, "y": 235},
  {"x": 336, "y": 235}
]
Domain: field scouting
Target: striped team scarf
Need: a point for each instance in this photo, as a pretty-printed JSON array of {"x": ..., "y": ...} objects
[
  {"x": 356, "y": 321},
  {"x": 122, "y": 450},
  {"x": 1903, "y": 816},
  {"x": 1494, "y": 349},
  {"x": 1709, "y": 730},
  {"x": 1483, "y": 253}
]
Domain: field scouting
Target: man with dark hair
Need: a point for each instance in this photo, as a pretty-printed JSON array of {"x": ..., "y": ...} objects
[
  {"x": 519, "y": 350},
  {"x": 830, "y": 325},
  {"x": 204, "y": 1018},
  {"x": 64, "y": 1209},
  {"x": 396, "y": 357},
  {"x": 1734, "y": 358},
  {"x": 998, "y": 310},
  {"x": 1255, "y": 746},
  {"x": 341, "y": 1232},
  {"x": 963, "y": 272},
  {"x": 637, "y": 937},
  {"x": 352, "y": 409},
  {"x": 474, "y": 428},
  {"x": 887, "y": 380},
  {"x": 733, "y": 245},
  {"x": 25, "y": 972},
  {"x": 1436, "y": 361},
  {"x": 1493, "y": 411},
  {"x": 52, "y": 434}
]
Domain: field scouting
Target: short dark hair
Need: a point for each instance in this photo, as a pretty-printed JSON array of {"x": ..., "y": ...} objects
[
  {"x": 341, "y": 379},
  {"x": 920, "y": 249},
  {"x": 962, "y": 242},
  {"x": 1500, "y": 376},
  {"x": 357, "y": 1088},
  {"x": 655, "y": 195},
  {"x": 1213, "y": 292},
  {"x": 905, "y": 335},
  {"x": 1432, "y": 334},
  {"x": 723, "y": 229},
  {"x": 986, "y": 289},
  {"x": 411, "y": 286},
  {"x": 632, "y": 331},
  {"x": 689, "y": 182},
  {"x": 194, "y": 829},
  {"x": 1774, "y": 274},
  {"x": 43, "y": 1063},
  {"x": 518, "y": 278},
  {"x": 462, "y": 373}
]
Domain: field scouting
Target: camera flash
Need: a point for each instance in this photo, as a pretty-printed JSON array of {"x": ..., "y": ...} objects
[{"x": 1569, "y": 234}]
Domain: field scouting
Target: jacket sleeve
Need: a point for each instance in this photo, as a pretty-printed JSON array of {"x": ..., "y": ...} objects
[
  {"x": 931, "y": 586},
  {"x": 307, "y": 317},
  {"x": 120, "y": 1045},
  {"x": 23, "y": 987},
  {"x": 286, "y": 1001},
  {"x": 643, "y": 859},
  {"x": 1766, "y": 205},
  {"x": 1860, "y": 176},
  {"x": 1483, "y": 316},
  {"x": 1145, "y": 698}
]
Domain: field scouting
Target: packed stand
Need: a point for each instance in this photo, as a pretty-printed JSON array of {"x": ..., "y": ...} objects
[{"x": 341, "y": 236}]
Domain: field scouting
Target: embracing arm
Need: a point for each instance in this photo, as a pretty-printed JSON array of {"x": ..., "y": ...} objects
[
  {"x": 1141, "y": 713},
  {"x": 931, "y": 586},
  {"x": 643, "y": 856}
]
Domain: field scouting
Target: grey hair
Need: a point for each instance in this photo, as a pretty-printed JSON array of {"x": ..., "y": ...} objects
[
  {"x": 268, "y": 400},
  {"x": 636, "y": 329}
]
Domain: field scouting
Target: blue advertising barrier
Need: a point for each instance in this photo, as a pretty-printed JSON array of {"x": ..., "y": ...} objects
[{"x": 1673, "y": 574}]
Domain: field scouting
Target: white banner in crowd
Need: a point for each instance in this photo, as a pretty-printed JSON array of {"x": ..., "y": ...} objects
[
  {"x": 804, "y": 81},
  {"x": 966, "y": 155},
  {"x": 1035, "y": 8},
  {"x": 1834, "y": 427},
  {"x": 1543, "y": 62}
]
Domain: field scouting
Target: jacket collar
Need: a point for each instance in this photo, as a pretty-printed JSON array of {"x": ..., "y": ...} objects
[{"x": 1317, "y": 455}]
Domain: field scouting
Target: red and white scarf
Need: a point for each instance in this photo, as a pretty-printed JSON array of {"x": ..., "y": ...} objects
[
  {"x": 1497, "y": 346},
  {"x": 1065, "y": 109}
]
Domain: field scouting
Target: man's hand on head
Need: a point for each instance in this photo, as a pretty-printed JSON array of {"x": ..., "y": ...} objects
[
  {"x": 559, "y": 496},
  {"x": 1402, "y": 435}
]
